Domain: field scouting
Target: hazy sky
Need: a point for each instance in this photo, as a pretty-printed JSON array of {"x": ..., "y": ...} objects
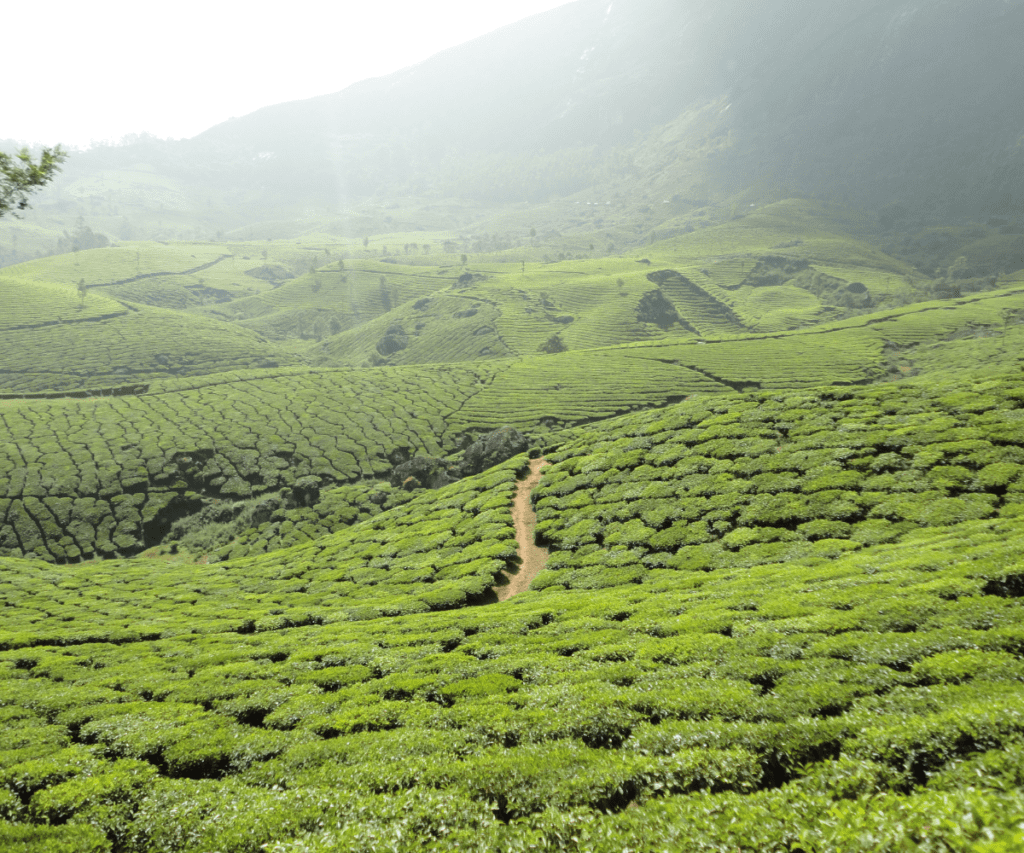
[{"x": 84, "y": 71}]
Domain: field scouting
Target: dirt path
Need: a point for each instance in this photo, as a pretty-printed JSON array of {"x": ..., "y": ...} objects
[{"x": 525, "y": 519}]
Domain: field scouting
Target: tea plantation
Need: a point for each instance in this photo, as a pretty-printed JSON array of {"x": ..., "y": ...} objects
[
  {"x": 110, "y": 475},
  {"x": 783, "y": 512},
  {"x": 774, "y": 621}
]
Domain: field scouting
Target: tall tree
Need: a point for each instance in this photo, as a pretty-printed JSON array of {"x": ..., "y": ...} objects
[{"x": 20, "y": 176}]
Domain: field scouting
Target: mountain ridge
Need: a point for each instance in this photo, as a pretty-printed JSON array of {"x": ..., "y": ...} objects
[{"x": 872, "y": 104}]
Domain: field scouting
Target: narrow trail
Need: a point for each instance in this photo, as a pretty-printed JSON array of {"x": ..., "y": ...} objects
[{"x": 532, "y": 558}]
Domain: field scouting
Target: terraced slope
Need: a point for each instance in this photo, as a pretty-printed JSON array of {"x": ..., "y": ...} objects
[
  {"x": 114, "y": 265},
  {"x": 111, "y": 475},
  {"x": 710, "y": 316},
  {"x": 117, "y": 471},
  {"x": 118, "y": 345},
  {"x": 123, "y": 329},
  {"x": 787, "y": 266},
  {"x": 776, "y": 477},
  {"x": 442, "y": 327},
  {"x": 340, "y": 303},
  {"x": 835, "y": 664},
  {"x": 436, "y": 553},
  {"x": 29, "y": 306},
  {"x": 502, "y": 313},
  {"x": 334, "y": 298}
]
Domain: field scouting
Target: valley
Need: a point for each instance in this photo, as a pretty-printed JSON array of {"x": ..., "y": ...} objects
[
  {"x": 624, "y": 451},
  {"x": 778, "y": 530}
]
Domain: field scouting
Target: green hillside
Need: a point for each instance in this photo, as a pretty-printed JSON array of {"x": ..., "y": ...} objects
[
  {"x": 606, "y": 436},
  {"x": 334, "y": 302},
  {"x": 109, "y": 475},
  {"x": 253, "y": 600},
  {"x": 782, "y": 579},
  {"x": 130, "y": 345},
  {"x": 788, "y": 603}
]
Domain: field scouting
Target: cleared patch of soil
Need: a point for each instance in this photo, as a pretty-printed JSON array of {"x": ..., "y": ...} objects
[{"x": 532, "y": 558}]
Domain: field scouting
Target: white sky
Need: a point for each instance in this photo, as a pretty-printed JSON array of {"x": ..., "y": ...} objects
[{"x": 78, "y": 72}]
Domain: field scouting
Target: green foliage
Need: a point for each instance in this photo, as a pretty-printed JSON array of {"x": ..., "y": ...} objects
[
  {"x": 20, "y": 176},
  {"x": 786, "y": 618},
  {"x": 22, "y": 838}
]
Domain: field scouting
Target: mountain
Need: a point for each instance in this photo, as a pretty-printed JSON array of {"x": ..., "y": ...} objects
[
  {"x": 869, "y": 102},
  {"x": 901, "y": 105}
]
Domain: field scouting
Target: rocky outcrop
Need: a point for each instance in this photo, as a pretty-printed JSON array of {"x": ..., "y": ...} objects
[
  {"x": 432, "y": 472},
  {"x": 493, "y": 449},
  {"x": 428, "y": 471}
]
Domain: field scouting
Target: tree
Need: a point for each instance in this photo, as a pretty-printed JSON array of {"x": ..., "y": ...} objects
[
  {"x": 20, "y": 176},
  {"x": 83, "y": 238}
]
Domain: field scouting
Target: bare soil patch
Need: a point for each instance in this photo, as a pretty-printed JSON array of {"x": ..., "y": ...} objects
[{"x": 532, "y": 558}]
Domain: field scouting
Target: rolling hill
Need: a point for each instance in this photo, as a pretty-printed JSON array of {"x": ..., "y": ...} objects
[
  {"x": 744, "y": 284},
  {"x": 781, "y": 514}
]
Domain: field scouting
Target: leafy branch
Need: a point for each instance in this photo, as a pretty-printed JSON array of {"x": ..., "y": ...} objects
[{"x": 20, "y": 176}]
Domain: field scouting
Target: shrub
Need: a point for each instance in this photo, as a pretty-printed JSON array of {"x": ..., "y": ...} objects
[{"x": 52, "y": 839}]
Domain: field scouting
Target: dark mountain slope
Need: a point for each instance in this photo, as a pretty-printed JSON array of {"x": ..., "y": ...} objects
[
  {"x": 865, "y": 101},
  {"x": 876, "y": 101},
  {"x": 907, "y": 105}
]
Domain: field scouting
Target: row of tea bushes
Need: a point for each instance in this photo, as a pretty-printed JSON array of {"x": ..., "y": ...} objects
[
  {"x": 104, "y": 476},
  {"x": 437, "y": 552},
  {"x": 778, "y": 477},
  {"x": 29, "y": 305},
  {"x": 340, "y": 507},
  {"x": 867, "y": 702},
  {"x": 109, "y": 476},
  {"x": 122, "y": 346}
]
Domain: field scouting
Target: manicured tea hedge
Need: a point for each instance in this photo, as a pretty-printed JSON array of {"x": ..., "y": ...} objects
[
  {"x": 835, "y": 664},
  {"x": 776, "y": 477},
  {"x": 762, "y": 707}
]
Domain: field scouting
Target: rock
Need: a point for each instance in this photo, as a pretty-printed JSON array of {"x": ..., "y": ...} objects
[
  {"x": 428, "y": 471},
  {"x": 492, "y": 449},
  {"x": 305, "y": 492}
]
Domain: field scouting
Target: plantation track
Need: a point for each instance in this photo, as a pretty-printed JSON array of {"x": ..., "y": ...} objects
[
  {"x": 160, "y": 274},
  {"x": 533, "y": 558}
]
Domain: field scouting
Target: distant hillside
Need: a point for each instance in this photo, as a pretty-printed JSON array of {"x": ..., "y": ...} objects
[
  {"x": 153, "y": 310},
  {"x": 870, "y": 102},
  {"x": 904, "y": 108}
]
